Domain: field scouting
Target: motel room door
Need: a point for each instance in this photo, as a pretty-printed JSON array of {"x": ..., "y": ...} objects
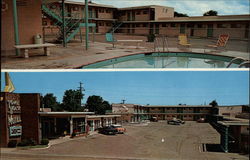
[
  {"x": 210, "y": 30},
  {"x": 128, "y": 16},
  {"x": 182, "y": 28},
  {"x": 133, "y": 16},
  {"x": 156, "y": 28}
]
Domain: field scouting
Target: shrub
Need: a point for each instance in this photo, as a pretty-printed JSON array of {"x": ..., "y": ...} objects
[
  {"x": 44, "y": 141},
  {"x": 24, "y": 142},
  {"x": 31, "y": 142},
  {"x": 27, "y": 142},
  {"x": 12, "y": 143}
]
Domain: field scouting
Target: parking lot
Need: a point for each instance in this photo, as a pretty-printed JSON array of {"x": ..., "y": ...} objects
[{"x": 155, "y": 140}]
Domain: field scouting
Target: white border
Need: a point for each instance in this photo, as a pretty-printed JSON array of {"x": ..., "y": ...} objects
[{"x": 123, "y": 70}]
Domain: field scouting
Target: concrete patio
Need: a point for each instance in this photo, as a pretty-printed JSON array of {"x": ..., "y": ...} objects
[{"x": 75, "y": 55}]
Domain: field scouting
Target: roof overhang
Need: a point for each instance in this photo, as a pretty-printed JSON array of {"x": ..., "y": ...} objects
[{"x": 64, "y": 114}]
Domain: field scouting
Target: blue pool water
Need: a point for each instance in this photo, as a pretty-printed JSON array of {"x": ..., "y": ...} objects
[{"x": 167, "y": 60}]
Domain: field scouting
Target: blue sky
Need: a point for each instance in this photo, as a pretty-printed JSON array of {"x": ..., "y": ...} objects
[
  {"x": 144, "y": 87},
  {"x": 190, "y": 7}
]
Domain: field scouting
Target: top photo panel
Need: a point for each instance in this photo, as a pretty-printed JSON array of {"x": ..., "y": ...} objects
[{"x": 122, "y": 34}]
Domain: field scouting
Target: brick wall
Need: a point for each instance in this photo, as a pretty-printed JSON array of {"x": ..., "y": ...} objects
[
  {"x": 163, "y": 12},
  {"x": 30, "y": 119},
  {"x": 29, "y": 23}
]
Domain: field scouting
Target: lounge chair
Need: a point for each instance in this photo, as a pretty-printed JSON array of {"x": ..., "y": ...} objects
[
  {"x": 221, "y": 42},
  {"x": 110, "y": 38},
  {"x": 183, "y": 41}
]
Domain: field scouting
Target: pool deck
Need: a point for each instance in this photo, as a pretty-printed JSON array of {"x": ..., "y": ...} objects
[{"x": 75, "y": 54}]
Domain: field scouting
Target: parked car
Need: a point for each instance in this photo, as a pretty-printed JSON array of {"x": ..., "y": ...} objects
[
  {"x": 154, "y": 119},
  {"x": 174, "y": 122},
  {"x": 108, "y": 130},
  {"x": 119, "y": 128},
  {"x": 180, "y": 121},
  {"x": 201, "y": 120}
]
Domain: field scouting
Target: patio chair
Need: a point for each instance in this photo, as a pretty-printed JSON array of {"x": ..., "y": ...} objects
[
  {"x": 221, "y": 42},
  {"x": 110, "y": 38},
  {"x": 183, "y": 41}
]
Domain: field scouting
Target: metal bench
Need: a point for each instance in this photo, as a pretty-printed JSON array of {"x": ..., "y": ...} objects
[
  {"x": 26, "y": 48},
  {"x": 110, "y": 38}
]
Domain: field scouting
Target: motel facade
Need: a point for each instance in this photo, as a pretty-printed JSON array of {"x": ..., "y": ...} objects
[{"x": 44, "y": 18}]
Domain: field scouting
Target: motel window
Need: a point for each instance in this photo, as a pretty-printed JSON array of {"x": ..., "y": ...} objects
[
  {"x": 185, "y": 116},
  {"x": 108, "y": 11},
  {"x": 108, "y": 24},
  {"x": 123, "y": 13},
  {"x": 138, "y": 12},
  {"x": 101, "y": 10},
  {"x": 173, "y": 25},
  {"x": 190, "y": 25},
  {"x": 101, "y": 24},
  {"x": 137, "y": 25},
  {"x": 199, "y": 26},
  {"x": 221, "y": 26},
  {"x": 164, "y": 25},
  {"x": 145, "y": 12},
  {"x": 190, "y": 116},
  {"x": 145, "y": 25},
  {"x": 75, "y": 8},
  {"x": 235, "y": 25},
  {"x": 164, "y": 10}
]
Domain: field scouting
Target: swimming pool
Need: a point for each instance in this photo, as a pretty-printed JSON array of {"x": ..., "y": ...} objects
[{"x": 167, "y": 60}]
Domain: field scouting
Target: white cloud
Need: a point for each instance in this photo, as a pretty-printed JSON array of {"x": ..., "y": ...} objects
[{"x": 190, "y": 7}]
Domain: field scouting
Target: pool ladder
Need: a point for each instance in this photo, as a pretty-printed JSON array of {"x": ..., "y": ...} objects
[
  {"x": 244, "y": 63},
  {"x": 161, "y": 41}
]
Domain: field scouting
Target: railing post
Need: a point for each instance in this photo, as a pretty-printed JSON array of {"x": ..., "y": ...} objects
[
  {"x": 16, "y": 26},
  {"x": 86, "y": 25},
  {"x": 63, "y": 23}
]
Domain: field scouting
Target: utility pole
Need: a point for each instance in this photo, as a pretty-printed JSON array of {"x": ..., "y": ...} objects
[{"x": 81, "y": 89}]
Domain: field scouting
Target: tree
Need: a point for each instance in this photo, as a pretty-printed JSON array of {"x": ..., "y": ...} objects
[
  {"x": 210, "y": 13},
  {"x": 213, "y": 103},
  {"x": 177, "y": 14},
  {"x": 49, "y": 101},
  {"x": 97, "y": 104},
  {"x": 215, "y": 109},
  {"x": 72, "y": 100}
]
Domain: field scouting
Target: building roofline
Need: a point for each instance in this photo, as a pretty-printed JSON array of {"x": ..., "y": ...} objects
[
  {"x": 102, "y": 116},
  {"x": 65, "y": 113},
  {"x": 143, "y": 7},
  {"x": 89, "y": 4},
  {"x": 155, "y": 106}
]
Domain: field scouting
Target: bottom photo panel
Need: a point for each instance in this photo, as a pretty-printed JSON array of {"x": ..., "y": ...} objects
[{"x": 125, "y": 115}]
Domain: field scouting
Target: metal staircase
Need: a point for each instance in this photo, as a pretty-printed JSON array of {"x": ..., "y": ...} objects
[
  {"x": 116, "y": 25},
  {"x": 72, "y": 22}
]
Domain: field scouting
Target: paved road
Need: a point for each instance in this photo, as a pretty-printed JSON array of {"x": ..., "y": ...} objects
[{"x": 154, "y": 141}]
